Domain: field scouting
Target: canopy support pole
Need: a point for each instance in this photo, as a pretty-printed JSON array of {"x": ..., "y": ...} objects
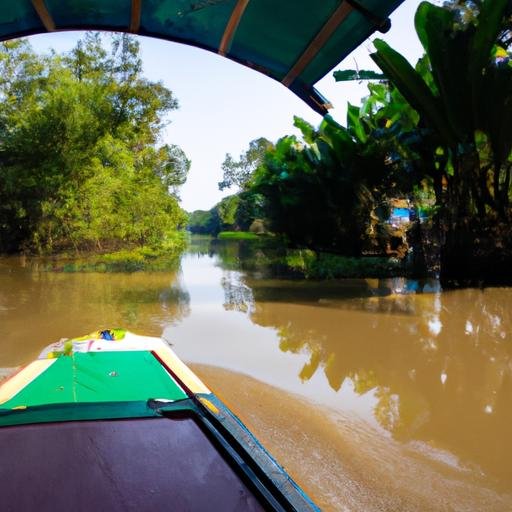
[
  {"x": 231, "y": 27},
  {"x": 135, "y": 17},
  {"x": 318, "y": 42},
  {"x": 44, "y": 15}
]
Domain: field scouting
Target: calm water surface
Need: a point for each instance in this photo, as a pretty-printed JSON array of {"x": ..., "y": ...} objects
[{"x": 375, "y": 395}]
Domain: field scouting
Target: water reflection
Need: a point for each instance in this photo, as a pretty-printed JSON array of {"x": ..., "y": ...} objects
[
  {"x": 237, "y": 295},
  {"x": 37, "y": 307},
  {"x": 438, "y": 364}
]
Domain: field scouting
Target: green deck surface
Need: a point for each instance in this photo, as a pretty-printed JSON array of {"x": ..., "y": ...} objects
[{"x": 99, "y": 377}]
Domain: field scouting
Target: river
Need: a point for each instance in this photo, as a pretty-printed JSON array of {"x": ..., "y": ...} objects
[{"x": 376, "y": 395}]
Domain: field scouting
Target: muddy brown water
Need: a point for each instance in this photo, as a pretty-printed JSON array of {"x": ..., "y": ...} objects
[{"x": 375, "y": 395}]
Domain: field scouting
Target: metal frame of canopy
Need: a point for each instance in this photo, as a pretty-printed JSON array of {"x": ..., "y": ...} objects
[{"x": 296, "y": 42}]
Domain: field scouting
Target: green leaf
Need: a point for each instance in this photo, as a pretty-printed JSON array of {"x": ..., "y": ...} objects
[
  {"x": 488, "y": 28},
  {"x": 354, "y": 123},
  {"x": 496, "y": 115},
  {"x": 448, "y": 52},
  {"x": 414, "y": 89},
  {"x": 347, "y": 75},
  {"x": 338, "y": 137},
  {"x": 307, "y": 129}
]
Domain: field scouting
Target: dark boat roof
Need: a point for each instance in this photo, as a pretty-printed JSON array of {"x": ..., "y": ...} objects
[
  {"x": 121, "y": 465},
  {"x": 295, "y": 42}
]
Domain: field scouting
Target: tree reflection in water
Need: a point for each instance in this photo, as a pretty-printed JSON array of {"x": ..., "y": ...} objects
[
  {"x": 238, "y": 296},
  {"x": 37, "y": 307},
  {"x": 439, "y": 364}
]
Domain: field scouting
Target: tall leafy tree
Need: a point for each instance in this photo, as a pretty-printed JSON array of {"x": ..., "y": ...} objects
[
  {"x": 319, "y": 190},
  {"x": 238, "y": 173},
  {"x": 80, "y": 163}
]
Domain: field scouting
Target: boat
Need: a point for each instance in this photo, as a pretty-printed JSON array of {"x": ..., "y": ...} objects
[{"x": 114, "y": 421}]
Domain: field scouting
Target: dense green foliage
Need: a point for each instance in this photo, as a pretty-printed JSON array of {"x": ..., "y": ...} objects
[
  {"x": 202, "y": 222},
  {"x": 239, "y": 172},
  {"x": 435, "y": 136},
  {"x": 237, "y": 212},
  {"x": 80, "y": 162},
  {"x": 221, "y": 217},
  {"x": 463, "y": 97},
  {"x": 321, "y": 190},
  {"x": 466, "y": 103},
  {"x": 325, "y": 190}
]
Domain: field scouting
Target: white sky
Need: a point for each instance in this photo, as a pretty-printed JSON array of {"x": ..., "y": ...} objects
[{"x": 223, "y": 105}]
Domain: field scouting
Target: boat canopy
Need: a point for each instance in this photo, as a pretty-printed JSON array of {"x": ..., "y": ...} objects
[{"x": 295, "y": 42}]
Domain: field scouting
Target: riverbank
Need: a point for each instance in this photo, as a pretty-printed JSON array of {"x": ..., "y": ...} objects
[
  {"x": 272, "y": 256},
  {"x": 162, "y": 257},
  {"x": 238, "y": 235},
  {"x": 240, "y": 250},
  {"x": 322, "y": 265}
]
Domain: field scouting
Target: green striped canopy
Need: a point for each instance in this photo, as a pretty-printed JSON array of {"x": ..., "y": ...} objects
[{"x": 296, "y": 42}]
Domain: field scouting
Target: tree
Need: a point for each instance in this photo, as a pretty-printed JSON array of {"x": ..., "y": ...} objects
[
  {"x": 467, "y": 105},
  {"x": 79, "y": 160},
  {"x": 170, "y": 163},
  {"x": 319, "y": 190},
  {"x": 204, "y": 222},
  {"x": 239, "y": 173}
]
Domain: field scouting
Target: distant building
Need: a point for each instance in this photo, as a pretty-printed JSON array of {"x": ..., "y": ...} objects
[
  {"x": 400, "y": 212},
  {"x": 399, "y": 216}
]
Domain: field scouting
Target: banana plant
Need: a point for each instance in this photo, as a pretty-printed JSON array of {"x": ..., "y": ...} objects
[
  {"x": 320, "y": 190},
  {"x": 468, "y": 93}
]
